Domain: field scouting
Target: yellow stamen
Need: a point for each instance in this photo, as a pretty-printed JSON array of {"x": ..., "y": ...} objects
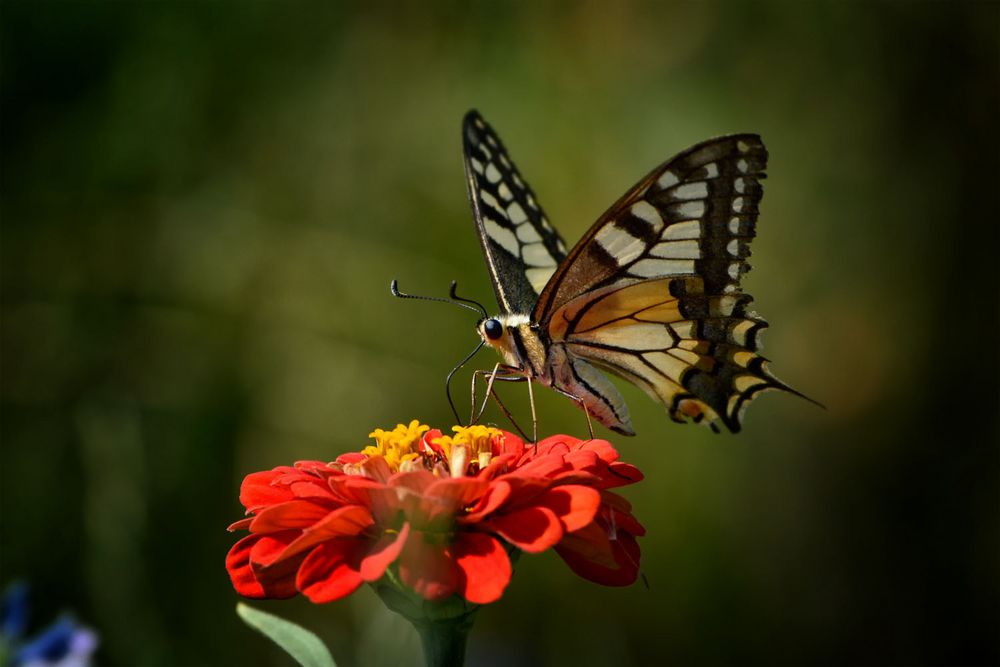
[{"x": 400, "y": 447}]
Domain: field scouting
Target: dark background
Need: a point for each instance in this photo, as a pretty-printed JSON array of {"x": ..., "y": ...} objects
[{"x": 203, "y": 205}]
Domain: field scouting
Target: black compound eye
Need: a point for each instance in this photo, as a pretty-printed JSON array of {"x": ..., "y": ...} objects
[{"x": 493, "y": 328}]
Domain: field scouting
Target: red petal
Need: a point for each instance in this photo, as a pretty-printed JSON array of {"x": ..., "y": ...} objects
[
  {"x": 427, "y": 569},
  {"x": 382, "y": 501},
  {"x": 242, "y": 524},
  {"x": 446, "y": 498},
  {"x": 624, "y": 572},
  {"x": 534, "y": 529},
  {"x": 246, "y": 575},
  {"x": 485, "y": 566},
  {"x": 544, "y": 466},
  {"x": 269, "y": 548},
  {"x": 256, "y": 490},
  {"x": 574, "y": 505},
  {"x": 344, "y": 522},
  {"x": 240, "y": 572},
  {"x": 494, "y": 497},
  {"x": 288, "y": 515},
  {"x": 383, "y": 553},
  {"x": 329, "y": 572}
]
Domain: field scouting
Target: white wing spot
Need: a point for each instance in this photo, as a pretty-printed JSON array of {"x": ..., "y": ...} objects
[
  {"x": 536, "y": 254},
  {"x": 485, "y": 149},
  {"x": 505, "y": 192},
  {"x": 647, "y": 212},
  {"x": 667, "y": 364},
  {"x": 477, "y": 166},
  {"x": 517, "y": 180},
  {"x": 647, "y": 268},
  {"x": 677, "y": 250},
  {"x": 490, "y": 138},
  {"x": 504, "y": 161},
  {"x": 516, "y": 213},
  {"x": 734, "y": 225},
  {"x": 689, "y": 229},
  {"x": 711, "y": 170},
  {"x": 490, "y": 200},
  {"x": 479, "y": 123},
  {"x": 667, "y": 179},
  {"x": 743, "y": 383},
  {"x": 531, "y": 202},
  {"x": 738, "y": 205},
  {"x": 492, "y": 173},
  {"x": 620, "y": 244},
  {"x": 739, "y": 332},
  {"x": 742, "y": 146},
  {"x": 561, "y": 245},
  {"x": 683, "y": 329},
  {"x": 528, "y": 234},
  {"x": 502, "y": 237},
  {"x": 697, "y": 190},
  {"x": 722, "y": 306},
  {"x": 538, "y": 277},
  {"x": 734, "y": 270},
  {"x": 742, "y": 165},
  {"x": 733, "y": 247},
  {"x": 740, "y": 185},
  {"x": 690, "y": 209}
]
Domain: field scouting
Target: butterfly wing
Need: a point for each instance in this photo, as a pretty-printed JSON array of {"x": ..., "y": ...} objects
[
  {"x": 652, "y": 292},
  {"x": 521, "y": 247}
]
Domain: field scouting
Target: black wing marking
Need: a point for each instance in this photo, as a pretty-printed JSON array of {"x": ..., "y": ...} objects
[
  {"x": 521, "y": 247},
  {"x": 694, "y": 215}
]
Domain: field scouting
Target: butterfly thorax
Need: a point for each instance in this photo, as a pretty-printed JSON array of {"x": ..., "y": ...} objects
[{"x": 518, "y": 341}]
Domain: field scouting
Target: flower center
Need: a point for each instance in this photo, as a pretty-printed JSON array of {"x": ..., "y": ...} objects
[{"x": 466, "y": 452}]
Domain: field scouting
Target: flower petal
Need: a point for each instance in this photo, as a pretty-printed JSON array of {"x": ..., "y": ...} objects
[
  {"x": 256, "y": 490},
  {"x": 623, "y": 570},
  {"x": 291, "y": 514},
  {"x": 246, "y": 575},
  {"x": 494, "y": 497},
  {"x": 574, "y": 505},
  {"x": 534, "y": 529},
  {"x": 343, "y": 522},
  {"x": 383, "y": 553},
  {"x": 485, "y": 566},
  {"x": 427, "y": 569},
  {"x": 330, "y": 571}
]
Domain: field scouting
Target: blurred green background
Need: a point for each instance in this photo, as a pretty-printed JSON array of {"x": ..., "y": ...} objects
[{"x": 203, "y": 205}]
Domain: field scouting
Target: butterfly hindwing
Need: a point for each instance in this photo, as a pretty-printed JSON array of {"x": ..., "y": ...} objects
[
  {"x": 521, "y": 247},
  {"x": 692, "y": 352}
]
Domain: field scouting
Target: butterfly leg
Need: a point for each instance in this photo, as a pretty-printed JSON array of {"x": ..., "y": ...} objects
[
  {"x": 583, "y": 404},
  {"x": 512, "y": 375}
]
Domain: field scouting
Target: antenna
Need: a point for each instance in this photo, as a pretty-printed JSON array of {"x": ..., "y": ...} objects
[{"x": 454, "y": 300}]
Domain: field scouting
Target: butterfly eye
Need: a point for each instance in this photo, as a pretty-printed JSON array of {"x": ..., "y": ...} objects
[{"x": 493, "y": 328}]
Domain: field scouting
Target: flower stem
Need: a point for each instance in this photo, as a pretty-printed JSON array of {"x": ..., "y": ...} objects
[
  {"x": 443, "y": 626},
  {"x": 444, "y": 642}
]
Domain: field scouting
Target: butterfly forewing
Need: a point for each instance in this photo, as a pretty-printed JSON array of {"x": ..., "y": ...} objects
[
  {"x": 691, "y": 216},
  {"x": 522, "y": 248}
]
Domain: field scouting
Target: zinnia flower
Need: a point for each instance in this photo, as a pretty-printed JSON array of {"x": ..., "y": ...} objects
[{"x": 439, "y": 515}]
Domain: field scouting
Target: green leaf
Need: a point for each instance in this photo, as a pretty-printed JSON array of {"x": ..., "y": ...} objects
[{"x": 301, "y": 644}]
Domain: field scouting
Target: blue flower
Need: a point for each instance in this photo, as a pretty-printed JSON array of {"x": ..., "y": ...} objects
[{"x": 64, "y": 644}]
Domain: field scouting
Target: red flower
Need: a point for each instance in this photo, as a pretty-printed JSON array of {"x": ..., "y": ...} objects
[{"x": 438, "y": 514}]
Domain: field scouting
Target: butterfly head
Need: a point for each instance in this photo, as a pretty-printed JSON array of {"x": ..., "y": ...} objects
[{"x": 498, "y": 333}]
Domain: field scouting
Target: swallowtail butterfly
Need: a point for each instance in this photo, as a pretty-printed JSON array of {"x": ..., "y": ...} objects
[{"x": 651, "y": 293}]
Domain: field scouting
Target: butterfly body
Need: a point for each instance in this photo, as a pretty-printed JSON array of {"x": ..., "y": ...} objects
[{"x": 651, "y": 293}]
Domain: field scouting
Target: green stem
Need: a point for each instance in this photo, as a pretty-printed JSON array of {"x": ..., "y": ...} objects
[
  {"x": 443, "y": 626},
  {"x": 444, "y": 642}
]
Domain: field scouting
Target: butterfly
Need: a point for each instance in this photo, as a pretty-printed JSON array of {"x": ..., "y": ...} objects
[{"x": 651, "y": 293}]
